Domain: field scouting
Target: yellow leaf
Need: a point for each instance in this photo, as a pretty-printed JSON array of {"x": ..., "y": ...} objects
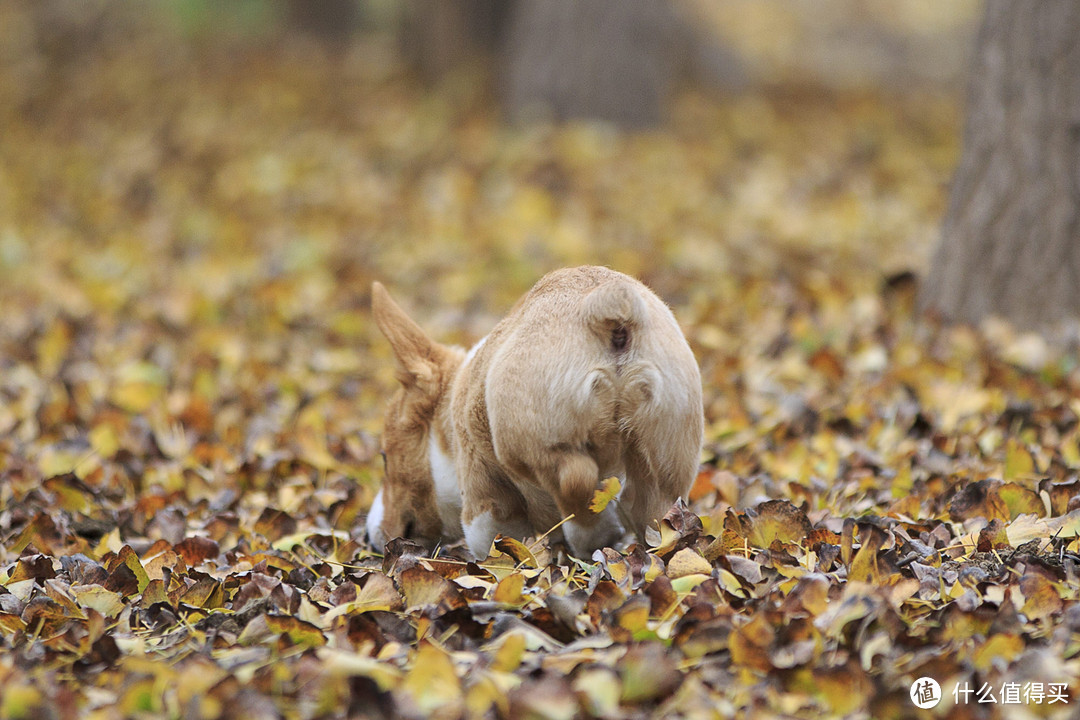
[
  {"x": 489, "y": 691},
  {"x": 55, "y": 461},
  {"x": 110, "y": 542},
  {"x": 516, "y": 550},
  {"x": 510, "y": 653},
  {"x": 127, "y": 556},
  {"x": 600, "y": 690},
  {"x": 1041, "y": 599},
  {"x": 687, "y": 583},
  {"x": 104, "y": 441},
  {"x": 776, "y": 520},
  {"x": 609, "y": 490},
  {"x": 106, "y": 602},
  {"x": 1018, "y": 461},
  {"x": 1020, "y": 500},
  {"x": 52, "y": 347},
  {"x": 344, "y": 662},
  {"x": 432, "y": 682},
  {"x": 138, "y": 386},
  {"x": 687, "y": 562},
  {"x": 205, "y": 593},
  {"x": 21, "y": 701},
  {"x": 1070, "y": 451},
  {"x": 69, "y": 498},
  {"x": 299, "y": 632},
  {"x": 865, "y": 566},
  {"x": 1000, "y": 647},
  {"x": 509, "y": 589}
]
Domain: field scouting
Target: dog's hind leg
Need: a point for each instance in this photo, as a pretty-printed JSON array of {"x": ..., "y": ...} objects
[
  {"x": 491, "y": 506},
  {"x": 655, "y": 481}
]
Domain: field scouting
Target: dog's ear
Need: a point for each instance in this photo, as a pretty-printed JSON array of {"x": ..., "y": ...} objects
[{"x": 416, "y": 353}]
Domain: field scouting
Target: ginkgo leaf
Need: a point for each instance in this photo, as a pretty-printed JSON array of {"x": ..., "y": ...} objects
[
  {"x": 609, "y": 490},
  {"x": 687, "y": 562},
  {"x": 432, "y": 682}
]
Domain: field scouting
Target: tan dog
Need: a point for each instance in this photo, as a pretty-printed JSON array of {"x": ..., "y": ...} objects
[{"x": 588, "y": 377}]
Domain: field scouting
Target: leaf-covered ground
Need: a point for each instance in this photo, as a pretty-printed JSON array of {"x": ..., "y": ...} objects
[{"x": 191, "y": 389}]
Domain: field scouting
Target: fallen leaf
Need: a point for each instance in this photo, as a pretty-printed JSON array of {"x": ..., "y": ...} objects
[{"x": 609, "y": 490}]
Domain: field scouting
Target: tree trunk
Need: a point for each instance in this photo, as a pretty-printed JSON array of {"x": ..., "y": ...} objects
[
  {"x": 1010, "y": 242},
  {"x": 613, "y": 60},
  {"x": 439, "y": 36},
  {"x": 329, "y": 20}
]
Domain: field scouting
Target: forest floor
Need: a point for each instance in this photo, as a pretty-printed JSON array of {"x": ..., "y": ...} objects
[{"x": 191, "y": 392}]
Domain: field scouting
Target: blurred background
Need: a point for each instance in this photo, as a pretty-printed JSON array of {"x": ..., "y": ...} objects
[
  {"x": 451, "y": 146},
  {"x": 195, "y": 196}
]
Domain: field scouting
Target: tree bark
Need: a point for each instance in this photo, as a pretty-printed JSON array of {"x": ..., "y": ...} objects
[
  {"x": 613, "y": 60},
  {"x": 1010, "y": 242},
  {"x": 439, "y": 36},
  {"x": 329, "y": 20}
]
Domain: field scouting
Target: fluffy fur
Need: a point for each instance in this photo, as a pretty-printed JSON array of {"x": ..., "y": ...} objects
[{"x": 589, "y": 376}]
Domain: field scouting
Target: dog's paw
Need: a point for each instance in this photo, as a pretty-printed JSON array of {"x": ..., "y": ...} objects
[{"x": 480, "y": 532}]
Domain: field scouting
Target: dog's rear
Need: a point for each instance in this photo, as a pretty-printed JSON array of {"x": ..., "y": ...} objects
[{"x": 588, "y": 377}]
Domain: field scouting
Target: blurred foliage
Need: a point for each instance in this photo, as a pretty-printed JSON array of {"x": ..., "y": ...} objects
[
  {"x": 190, "y": 392},
  {"x": 206, "y": 16}
]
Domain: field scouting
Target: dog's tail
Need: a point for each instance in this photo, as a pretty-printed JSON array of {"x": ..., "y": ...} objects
[{"x": 615, "y": 311}]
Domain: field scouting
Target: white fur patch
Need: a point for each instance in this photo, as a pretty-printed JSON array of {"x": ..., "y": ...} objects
[
  {"x": 374, "y": 522},
  {"x": 479, "y": 535},
  {"x": 473, "y": 349},
  {"x": 447, "y": 491}
]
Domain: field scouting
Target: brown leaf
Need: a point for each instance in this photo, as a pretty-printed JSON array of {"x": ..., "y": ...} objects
[
  {"x": 1041, "y": 598},
  {"x": 275, "y": 524},
  {"x": 604, "y": 599},
  {"x": 979, "y": 499},
  {"x": 662, "y": 598},
  {"x": 296, "y": 630},
  {"x": 683, "y": 520},
  {"x": 809, "y": 597},
  {"x": 773, "y": 520},
  {"x": 550, "y": 697},
  {"x": 195, "y": 549},
  {"x": 126, "y": 558},
  {"x": 33, "y": 567},
  {"x": 123, "y": 580},
  {"x": 378, "y": 593},
  {"x": 205, "y": 593},
  {"x": 749, "y": 644},
  {"x": 154, "y": 593},
  {"x": 992, "y": 537},
  {"x": 428, "y": 593},
  {"x": 44, "y": 614},
  {"x": 1060, "y": 494},
  {"x": 866, "y": 565}
]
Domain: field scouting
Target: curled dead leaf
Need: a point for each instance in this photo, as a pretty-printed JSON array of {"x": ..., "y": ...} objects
[{"x": 770, "y": 521}]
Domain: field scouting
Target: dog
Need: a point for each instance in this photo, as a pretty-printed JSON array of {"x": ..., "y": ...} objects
[{"x": 588, "y": 377}]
